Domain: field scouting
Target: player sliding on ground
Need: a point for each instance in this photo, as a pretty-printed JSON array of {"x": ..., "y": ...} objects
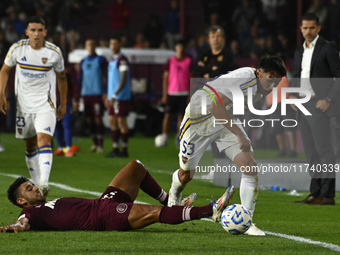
[
  {"x": 198, "y": 130},
  {"x": 114, "y": 210}
]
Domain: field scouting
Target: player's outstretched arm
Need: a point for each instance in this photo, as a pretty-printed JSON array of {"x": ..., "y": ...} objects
[
  {"x": 4, "y": 73},
  {"x": 62, "y": 84},
  {"x": 17, "y": 226}
]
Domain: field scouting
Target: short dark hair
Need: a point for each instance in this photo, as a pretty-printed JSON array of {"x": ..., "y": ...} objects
[
  {"x": 272, "y": 64},
  {"x": 13, "y": 192},
  {"x": 216, "y": 28},
  {"x": 115, "y": 37},
  {"x": 310, "y": 16},
  {"x": 181, "y": 41},
  {"x": 35, "y": 19}
]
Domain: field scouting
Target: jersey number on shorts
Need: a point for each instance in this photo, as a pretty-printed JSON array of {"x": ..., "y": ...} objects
[
  {"x": 21, "y": 121},
  {"x": 188, "y": 148}
]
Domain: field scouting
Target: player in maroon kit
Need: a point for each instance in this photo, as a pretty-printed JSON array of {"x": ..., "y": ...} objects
[{"x": 114, "y": 210}]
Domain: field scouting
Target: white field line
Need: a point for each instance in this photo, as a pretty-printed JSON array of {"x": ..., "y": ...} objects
[{"x": 330, "y": 246}]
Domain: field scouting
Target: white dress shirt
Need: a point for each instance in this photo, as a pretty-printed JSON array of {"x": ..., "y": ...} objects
[{"x": 305, "y": 66}]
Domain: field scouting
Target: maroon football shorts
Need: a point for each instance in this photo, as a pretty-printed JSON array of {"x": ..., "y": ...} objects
[
  {"x": 120, "y": 108},
  {"x": 114, "y": 209},
  {"x": 93, "y": 106}
]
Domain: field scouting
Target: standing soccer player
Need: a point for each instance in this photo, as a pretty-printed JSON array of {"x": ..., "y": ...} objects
[
  {"x": 198, "y": 130},
  {"x": 92, "y": 71},
  {"x": 119, "y": 96},
  {"x": 38, "y": 63}
]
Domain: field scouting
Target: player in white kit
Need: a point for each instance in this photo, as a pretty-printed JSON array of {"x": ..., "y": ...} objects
[
  {"x": 199, "y": 128},
  {"x": 38, "y": 64}
]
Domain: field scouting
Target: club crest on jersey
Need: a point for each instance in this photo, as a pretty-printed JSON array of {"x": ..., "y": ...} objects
[
  {"x": 20, "y": 131},
  {"x": 219, "y": 58},
  {"x": 44, "y": 60},
  {"x": 184, "y": 160},
  {"x": 121, "y": 208}
]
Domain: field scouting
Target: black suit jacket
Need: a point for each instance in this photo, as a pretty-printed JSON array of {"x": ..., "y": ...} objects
[{"x": 324, "y": 73}]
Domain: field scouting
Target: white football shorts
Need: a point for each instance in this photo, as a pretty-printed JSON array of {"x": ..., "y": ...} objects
[
  {"x": 194, "y": 142},
  {"x": 29, "y": 124}
]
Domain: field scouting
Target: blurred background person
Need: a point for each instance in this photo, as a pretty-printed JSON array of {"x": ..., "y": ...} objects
[
  {"x": 118, "y": 99},
  {"x": 218, "y": 59},
  {"x": 92, "y": 77},
  {"x": 172, "y": 24},
  {"x": 120, "y": 13},
  {"x": 68, "y": 15},
  {"x": 63, "y": 132},
  {"x": 176, "y": 89},
  {"x": 153, "y": 31}
]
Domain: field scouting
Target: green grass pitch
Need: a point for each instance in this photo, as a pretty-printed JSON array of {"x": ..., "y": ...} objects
[{"x": 275, "y": 211}]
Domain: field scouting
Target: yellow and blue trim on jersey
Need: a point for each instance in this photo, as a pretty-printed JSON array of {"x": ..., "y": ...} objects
[
  {"x": 184, "y": 128},
  {"x": 19, "y": 44},
  {"x": 35, "y": 68},
  {"x": 49, "y": 100},
  {"x": 53, "y": 48},
  {"x": 249, "y": 84},
  {"x": 195, "y": 121},
  {"x": 192, "y": 121}
]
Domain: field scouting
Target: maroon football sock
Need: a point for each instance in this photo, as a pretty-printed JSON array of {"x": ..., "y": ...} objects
[
  {"x": 100, "y": 135},
  {"x": 178, "y": 214},
  {"x": 125, "y": 138},
  {"x": 115, "y": 140},
  {"x": 93, "y": 133},
  {"x": 152, "y": 188}
]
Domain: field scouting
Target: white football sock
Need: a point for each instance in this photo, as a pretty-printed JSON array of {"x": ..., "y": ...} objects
[
  {"x": 249, "y": 191},
  {"x": 45, "y": 162},
  {"x": 32, "y": 162},
  {"x": 176, "y": 185}
]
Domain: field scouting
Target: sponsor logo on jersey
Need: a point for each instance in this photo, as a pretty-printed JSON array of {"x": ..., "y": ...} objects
[
  {"x": 47, "y": 129},
  {"x": 8, "y": 56},
  {"x": 24, "y": 59},
  {"x": 44, "y": 60},
  {"x": 33, "y": 75},
  {"x": 184, "y": 160},
  {"x": 46, "y": 163},
  {"x": 20, "y": 131},
  {"x": 30, "y": 169},
  {"x": 121, "y": 208},
  {"x": 110, "y": 195}
]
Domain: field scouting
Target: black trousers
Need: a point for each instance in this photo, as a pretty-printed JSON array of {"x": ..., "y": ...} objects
[{"x": 315, "y": 133}]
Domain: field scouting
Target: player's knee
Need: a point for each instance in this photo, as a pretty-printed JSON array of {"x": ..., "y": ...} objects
[
  {"x": 185, "y": 176},
  {"x": 250, "y": 162},
  {"x": 138, "y": 166},
  {"x": 44, "y": 140},
  {"x": 31, "y": 143},
  {"x": 249, "y": 166}
]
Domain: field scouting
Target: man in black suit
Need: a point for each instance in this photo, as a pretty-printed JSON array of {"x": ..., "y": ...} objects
[{"x": 317, "y": 65}]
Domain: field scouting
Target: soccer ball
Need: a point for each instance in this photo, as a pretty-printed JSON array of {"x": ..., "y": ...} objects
[
  {"x": 161, "y": 140},
  {"x": 236, "y": 219}
]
